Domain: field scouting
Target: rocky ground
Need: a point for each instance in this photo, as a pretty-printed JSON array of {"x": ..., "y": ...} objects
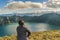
[{"x": 46, "y": 35}]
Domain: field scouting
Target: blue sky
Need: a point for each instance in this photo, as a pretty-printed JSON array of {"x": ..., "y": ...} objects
[{"x": 4, "y": 2}]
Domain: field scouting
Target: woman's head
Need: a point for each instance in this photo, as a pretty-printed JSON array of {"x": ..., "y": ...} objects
[{"x": 21, "y": 22}]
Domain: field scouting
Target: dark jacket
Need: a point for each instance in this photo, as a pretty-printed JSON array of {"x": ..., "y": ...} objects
[{"x": 22, "y": 33}]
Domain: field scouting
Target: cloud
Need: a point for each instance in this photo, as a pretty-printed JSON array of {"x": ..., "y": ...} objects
[
  {"x": 6, "y": 11},
  {"x": 53, "y": 3},
  {"x": 16, "y": 5},
  {"x": 21, "y": 5},
  {"x": 29, "y": 7},
  {"x": 36, "y": 5}
]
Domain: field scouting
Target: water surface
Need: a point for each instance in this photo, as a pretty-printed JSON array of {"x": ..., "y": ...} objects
[{"x": 33, "y": 27}]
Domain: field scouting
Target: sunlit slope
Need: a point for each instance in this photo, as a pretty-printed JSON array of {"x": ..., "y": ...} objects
[{"x": 46, "y": 35}]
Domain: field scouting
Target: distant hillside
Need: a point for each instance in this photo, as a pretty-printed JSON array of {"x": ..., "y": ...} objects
[{"x": 50, "y": 18}]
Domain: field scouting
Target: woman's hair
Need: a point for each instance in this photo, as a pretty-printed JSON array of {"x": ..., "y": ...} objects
[{"x": 21, "y": 22}]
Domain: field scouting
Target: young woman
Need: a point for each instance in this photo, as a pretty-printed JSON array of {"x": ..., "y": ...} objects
[{"x": 22, "y": 32}]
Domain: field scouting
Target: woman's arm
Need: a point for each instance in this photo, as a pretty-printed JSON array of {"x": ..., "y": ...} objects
[{"x": 29, "y": 33}]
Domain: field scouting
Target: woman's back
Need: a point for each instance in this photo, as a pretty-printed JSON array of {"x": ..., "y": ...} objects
[{"x": 22, "y": 31}]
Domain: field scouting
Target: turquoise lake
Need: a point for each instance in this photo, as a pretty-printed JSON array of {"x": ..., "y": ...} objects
[{"x": 33, "y": 27}]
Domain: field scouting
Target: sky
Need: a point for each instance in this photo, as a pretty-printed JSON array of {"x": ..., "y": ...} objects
[
  {"x": 4, "y": 2},
  {"x": 28, "y": 6}
]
